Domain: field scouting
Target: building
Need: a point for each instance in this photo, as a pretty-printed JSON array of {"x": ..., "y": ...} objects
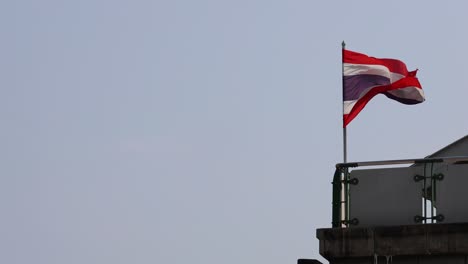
[{"x": 414, "y": 213}]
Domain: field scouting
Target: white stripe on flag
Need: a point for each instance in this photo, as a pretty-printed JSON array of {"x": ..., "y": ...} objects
[
  {"x": 348, "y": 106},
  {"x": 350, "y": 69}
]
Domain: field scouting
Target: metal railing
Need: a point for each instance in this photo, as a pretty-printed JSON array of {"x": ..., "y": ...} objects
[{"x": 342, "y": 181}]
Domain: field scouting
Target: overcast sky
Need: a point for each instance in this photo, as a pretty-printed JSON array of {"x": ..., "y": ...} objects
[{"x": 181, "y": 131}]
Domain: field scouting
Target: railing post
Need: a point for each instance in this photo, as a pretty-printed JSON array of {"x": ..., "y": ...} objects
[
  {"x": 336, "y": 199},
  {"x": 346, "y": 204}
]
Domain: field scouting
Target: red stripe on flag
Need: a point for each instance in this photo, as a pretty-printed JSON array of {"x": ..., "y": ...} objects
[{"x": 393, "y": 65}]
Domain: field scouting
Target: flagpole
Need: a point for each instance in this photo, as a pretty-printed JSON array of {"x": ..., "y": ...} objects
[
  {"x": 345, "y": 154},
  {"x": 344, "y": 191}
]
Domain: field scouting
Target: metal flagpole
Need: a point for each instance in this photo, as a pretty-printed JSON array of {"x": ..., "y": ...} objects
[
  {"x": 345, "y": 158},
  {"x": 344, "y": 190}
]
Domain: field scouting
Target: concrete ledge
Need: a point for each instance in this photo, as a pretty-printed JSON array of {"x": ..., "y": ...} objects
[{"x": 410, "y": 240}]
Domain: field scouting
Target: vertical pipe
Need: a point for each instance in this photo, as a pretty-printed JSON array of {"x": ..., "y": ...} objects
[
  {"x": 336, "y": 199},
  {"x": 434, "y": 197},
  {"x": 425, "y": 196},
  {"x": 346, "y": 193},
  {"x": 433, "y": 182}
]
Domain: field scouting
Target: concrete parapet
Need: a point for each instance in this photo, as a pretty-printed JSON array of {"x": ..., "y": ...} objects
[{"x": 424, "y": 243}]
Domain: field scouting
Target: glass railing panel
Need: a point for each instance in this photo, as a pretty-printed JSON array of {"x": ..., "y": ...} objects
[
  {"x": 383, "y": 197},
  {"x": 451, "y": 198}
]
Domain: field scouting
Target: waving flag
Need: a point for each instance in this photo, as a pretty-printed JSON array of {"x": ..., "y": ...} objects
[{"x": 364, "y": 77}]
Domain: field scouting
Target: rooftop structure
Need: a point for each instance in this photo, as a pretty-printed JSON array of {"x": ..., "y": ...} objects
[{"x": 416, "y": 213}]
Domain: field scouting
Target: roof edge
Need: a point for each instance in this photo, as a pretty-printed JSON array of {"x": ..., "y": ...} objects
[{"x": 447, "y": 147}]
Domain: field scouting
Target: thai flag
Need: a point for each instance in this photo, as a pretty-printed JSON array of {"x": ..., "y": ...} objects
[{"x": 364, "y": 77}]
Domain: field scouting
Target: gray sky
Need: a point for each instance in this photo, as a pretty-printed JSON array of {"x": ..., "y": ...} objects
[{"x": 202, "y": 131}]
